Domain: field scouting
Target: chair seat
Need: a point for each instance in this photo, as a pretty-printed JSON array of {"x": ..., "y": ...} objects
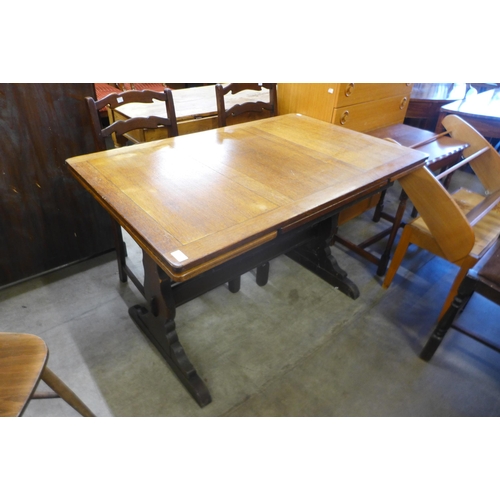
[
  {"x": 22, "y": 360},
  {"x": 486, "y": 231}
]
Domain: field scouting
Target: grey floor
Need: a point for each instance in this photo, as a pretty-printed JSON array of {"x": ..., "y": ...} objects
[{"x": 295, "y": 347}]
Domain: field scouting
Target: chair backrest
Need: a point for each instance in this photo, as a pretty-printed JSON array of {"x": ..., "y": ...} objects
[
  {"x": 256, "y": 106},
  {"x": 443, "y": 217},
  {"x": 120, "y": 127},
  {"x": 487, "y": 165}
]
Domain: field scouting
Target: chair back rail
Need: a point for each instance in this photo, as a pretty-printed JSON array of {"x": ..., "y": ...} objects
[
  {"x": 487, "y": 165},
  {"x": 120, "y": 127},
  {"x": 256, "y": 106}
]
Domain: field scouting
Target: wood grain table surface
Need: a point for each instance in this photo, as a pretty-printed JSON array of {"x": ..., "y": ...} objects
[{"x": 195, "y": 201}]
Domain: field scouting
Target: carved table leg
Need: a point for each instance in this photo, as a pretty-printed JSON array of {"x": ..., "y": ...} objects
[
  {"x": 157, "y": 323},
  {"x": 317, "y": 257}
]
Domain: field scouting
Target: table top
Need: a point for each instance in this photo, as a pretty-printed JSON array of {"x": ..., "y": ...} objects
[
  {"x": 425, "y": 141},
  {"x": 192, "y": 103},
  {"x": 483, "y": 105},
  {"x": 195, "y": 201}
]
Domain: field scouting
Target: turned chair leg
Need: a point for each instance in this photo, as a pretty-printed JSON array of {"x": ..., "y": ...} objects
[
  {"x": 380, "y": 207},
  {"x": 60, "y": 388},
  {"x": 234, "y": 285},
  {"x": 464, "y": 269},
  {"x": 398, "y": 256},
  {"x": 121, "y": 251},
  {"x": 262, "y": 274},
  {"x": 458, "y": 303}
]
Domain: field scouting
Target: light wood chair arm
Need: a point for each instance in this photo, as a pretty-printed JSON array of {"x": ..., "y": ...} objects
[
  {"x": 441, "y": 214},
  {"x": 461, "y": 163},
  {"x": 487, "y": 165}
]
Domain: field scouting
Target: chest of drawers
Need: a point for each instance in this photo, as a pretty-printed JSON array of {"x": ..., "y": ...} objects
[{"x": 357, "y": 106}]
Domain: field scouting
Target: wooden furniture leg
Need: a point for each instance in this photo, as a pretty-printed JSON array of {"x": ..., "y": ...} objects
[
  {"x": 464, "y": 293},
  {"x": 398, "y": 218},
  {"x": 121, "y": 250},
  {"x": 262, "y": 274},
  {"x": 157, "y": 322},
  {"x": 398, "y": 256},
  {"x": 64, "y": 392},
  {"x": 234, "y": 285},
  {"x": 317, "y": 257},
  {"x": 465, "y": 265}
]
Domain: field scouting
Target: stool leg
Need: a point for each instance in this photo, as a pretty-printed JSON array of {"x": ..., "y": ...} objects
[
  {"x": 459, "y": 302},
  {"x": 58, "y": 386}
]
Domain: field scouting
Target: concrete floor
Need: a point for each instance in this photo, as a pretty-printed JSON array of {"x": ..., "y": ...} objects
[{"x": 295, "y": 347}]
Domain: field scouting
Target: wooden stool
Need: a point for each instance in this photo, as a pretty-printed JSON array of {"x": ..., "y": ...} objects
[
  {"x": 483, "y": 278},
  {"x": 22, "y": 364}
]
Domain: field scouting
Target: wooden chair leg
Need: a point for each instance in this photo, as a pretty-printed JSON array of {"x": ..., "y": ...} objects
[
  {"x": 465, "y": 292},
  {"x": 121, "y": 251},
  {"x": 58, "y": 386},
  {"x": 380, "y": 207},
  {"x": 262, "y": 274},
  {"x": 465, "y": 265},
  {"x": 234, "y": 285},
  {"x": 398, "y": 256}
]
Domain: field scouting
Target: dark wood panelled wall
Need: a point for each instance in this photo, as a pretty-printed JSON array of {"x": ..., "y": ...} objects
[{"x": 47, "y": 219}]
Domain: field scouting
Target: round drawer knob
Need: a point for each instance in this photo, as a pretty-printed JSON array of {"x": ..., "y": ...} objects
[
  {"x": 344, "y": 117},
  {"x": 349, "y": 89},
  {"x": 403, "y": 102}
]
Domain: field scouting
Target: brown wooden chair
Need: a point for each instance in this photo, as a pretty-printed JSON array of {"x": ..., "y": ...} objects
[
  {"x": 223, "y": 113},
  {"x": 23, "y": 359},
  {"x": 118, "y": 129},
  {"x": 221, "y": 93},
  {"x": 483, "y": 279}
]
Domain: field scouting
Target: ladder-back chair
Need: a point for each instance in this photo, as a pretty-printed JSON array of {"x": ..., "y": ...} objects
[
  {"x": 222, "y": 92},
  {"x": 118, "y": 129},
  {"x": 224, "y": 112}
]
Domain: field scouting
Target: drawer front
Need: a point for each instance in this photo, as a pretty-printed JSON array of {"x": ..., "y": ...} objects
[
  {"x": 371, "y": 115},
  {"x": 357, "y": 93},
  {"x": 316, "y": 100}
]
